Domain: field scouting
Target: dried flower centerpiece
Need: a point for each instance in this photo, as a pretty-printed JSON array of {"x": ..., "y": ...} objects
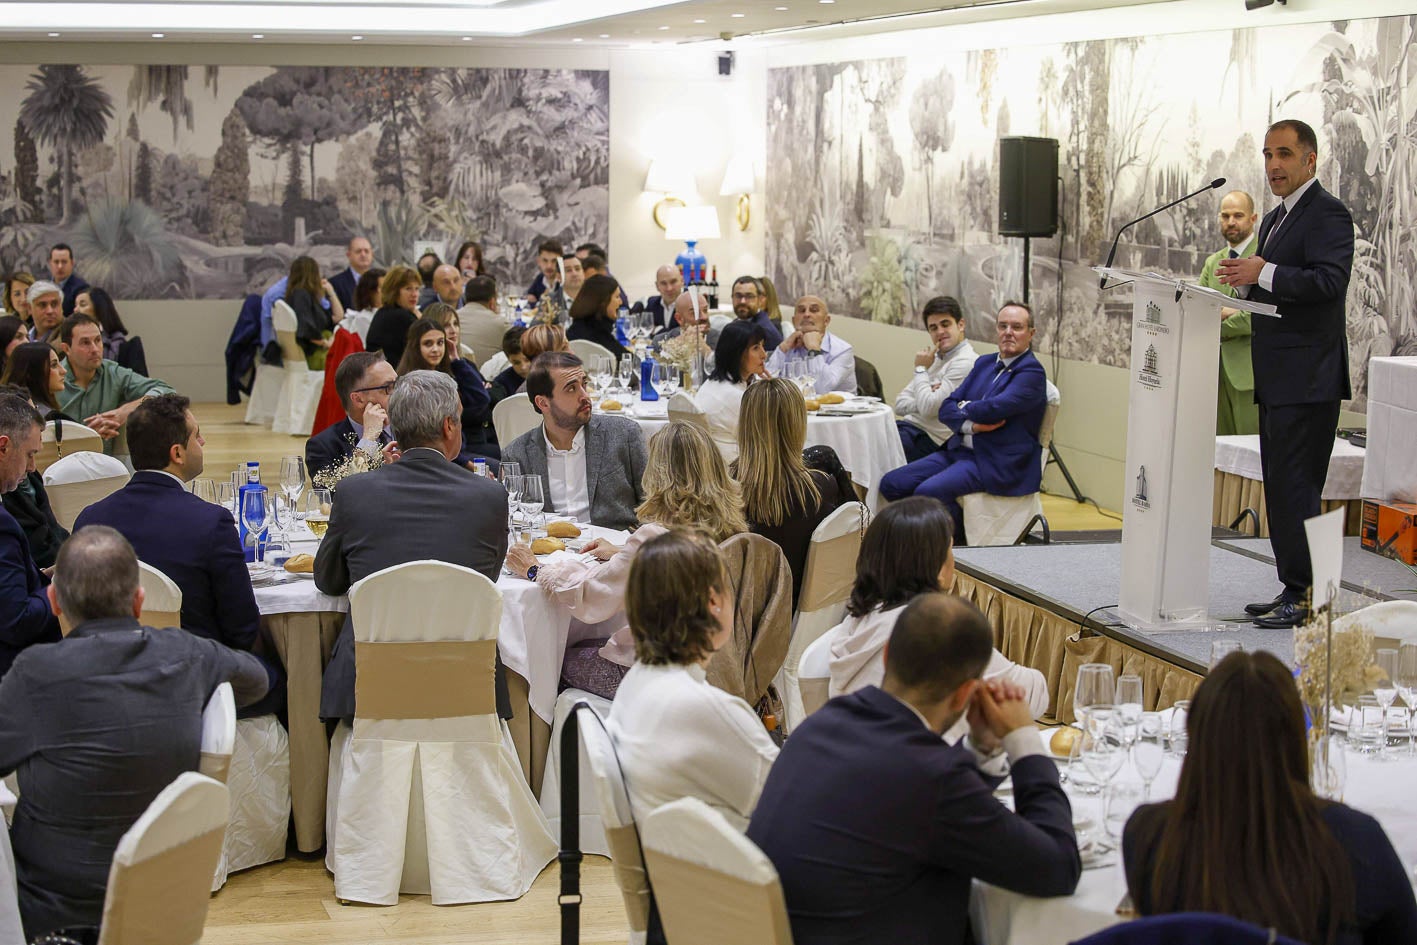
[
  {"x": 685, "y": 352},
  {"x": 356, "y": 462}
]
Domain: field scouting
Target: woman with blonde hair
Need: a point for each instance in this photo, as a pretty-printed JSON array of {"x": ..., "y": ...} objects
[
  {"x": 541, "y": 338},
  {"x": 686, "y": 484},
  {"x": 305, "y": 291},
  {"x": 398, "y": 310},
  {"x": 783, "y": 499}
]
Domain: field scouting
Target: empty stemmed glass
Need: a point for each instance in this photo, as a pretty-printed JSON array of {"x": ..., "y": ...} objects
[
  {"x": 1095, "y": 686},
  {"x": 1129, "y": 703},
  {"x": 1180, "y": 736},
  {"x": 1407, "y": 689},
  {"x": 532, "y": 499},
  {"x": 513, "y": 483},
  {"x": 292, "y": 483},
  {"x": 255, "y": 515},
  {"x": 1104, "y": 749},
  {"x": 627, "y": 371},
  {"x": 1149, "y": 750},
  {"x": 1385, "y": 692},
  {"x": 204, "y": 489}
]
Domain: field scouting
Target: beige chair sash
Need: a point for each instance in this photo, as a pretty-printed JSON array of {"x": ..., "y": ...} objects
[
  {"x": 159, "y": 619},
  {"x": 163, "y": 900},
  {"x": 424, "y": 680},
  {"x": 815, "y": 692},
  {"x": 630, "y": 873},
  {"x": 51, "y": 452},
  {"x": 68, "y": 499},
  {"x": 830, "y": 572},
  {"x": 701, "y": 906},
  {"x": 289, "y": 348},
  {"x": 215, "y": 766}
]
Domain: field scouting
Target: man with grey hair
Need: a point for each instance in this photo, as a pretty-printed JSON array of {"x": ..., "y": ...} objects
[
  {"x": 46, "y": 312},
  {"x": 422, "y": 507},
  {"x": 25, "y": 617},
  {"x": 85, "y": 776}
]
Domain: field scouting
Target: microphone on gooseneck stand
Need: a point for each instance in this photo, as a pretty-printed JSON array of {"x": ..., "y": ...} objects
[{"x": 1112, "y": 254}]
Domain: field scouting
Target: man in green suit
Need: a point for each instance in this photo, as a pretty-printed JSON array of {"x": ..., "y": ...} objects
[{"x": 1235, "y": 408}]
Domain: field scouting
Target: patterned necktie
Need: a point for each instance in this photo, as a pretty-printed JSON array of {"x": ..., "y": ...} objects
[{"x": 1278, "y": 219}]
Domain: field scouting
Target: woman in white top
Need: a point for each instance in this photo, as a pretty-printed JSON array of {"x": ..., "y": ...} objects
[
  {"x": 908, "y": 550},
  {"x": 738, "y": 359},
  {"x": 676, "y": 735},
  {"x": 365, "y": 302}
]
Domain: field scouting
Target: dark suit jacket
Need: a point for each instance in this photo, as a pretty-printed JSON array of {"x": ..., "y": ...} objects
[
  {"x": 344, "y": 283},
  {"x": 71, "y": 287},
  {"x": 96, "y": 726},
  {"x": 388, "y": 332},
  {"x": 1009, "y": 459},
  {"x": 1302, "y": 357},
  {"x": 655, "y": 306},
  {"x": 25, "y": 617},
  {"x": 332, "y": 444},
  {"x": 615, "y": 467},
  {"x": 477, "y": 431},
  {"x": 599, "y": 329},
  {"x": 421, "y": 507},
  {"x": 29, "y": 504},
  {"x": 877, "y": 826}
]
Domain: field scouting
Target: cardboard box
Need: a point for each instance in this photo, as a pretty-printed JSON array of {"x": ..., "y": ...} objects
[{"x": 1390, "y": 529}]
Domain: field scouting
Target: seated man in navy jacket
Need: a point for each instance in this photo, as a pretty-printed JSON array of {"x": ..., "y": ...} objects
[
  {"x": 192, "y": 541},
  {"x": 997, "y": 411},
  {"x": 25, "y": 616},
  {"x": 363, "y": 382},
  {"x": 877, "y": 826}
]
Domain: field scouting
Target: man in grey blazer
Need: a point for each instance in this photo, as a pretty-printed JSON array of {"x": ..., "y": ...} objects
[
  {"x": 422, "y": 507},
  {"x": 592, "y": 465}
]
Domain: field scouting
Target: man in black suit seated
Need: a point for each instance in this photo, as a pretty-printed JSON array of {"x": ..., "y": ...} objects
[
  {"x": 877, "y": 826},
  {"x": 363, "y": 381},
  {"x": 97, "y": 725},
  {"x": 1302, "y": 266},
  {"x": 670, "y": 282},
  {"x": 192, "y": 541},
  {"x": 25, "y": 617},
  {"x": 421, "y": 507},
  {"x": 360, "y": 253}
]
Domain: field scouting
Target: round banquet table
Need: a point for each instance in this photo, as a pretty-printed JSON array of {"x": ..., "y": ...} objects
[
  {"x": 867, "y": 443},
  {"x": 303, "y": 623},
  {"x": 999, "y": 917}
]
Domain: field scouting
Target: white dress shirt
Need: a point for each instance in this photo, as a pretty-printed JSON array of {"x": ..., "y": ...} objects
[
  {"x": 566, "y": 475},
  {"x": 919, "y": 403},
  {"x": 678, "y": 736},
  {"x": 838, "y": 364},
  {"x": 1266, "y": 276}
]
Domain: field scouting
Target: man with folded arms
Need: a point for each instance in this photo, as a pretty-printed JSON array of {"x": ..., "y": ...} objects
[
  {"x": 833, "y": 360},
  {"x": 102, "y": 393},
  {"x": 97, "y": 725},
  {"x": 25, "y": 616},
  {"x": 899, "y": 867}
]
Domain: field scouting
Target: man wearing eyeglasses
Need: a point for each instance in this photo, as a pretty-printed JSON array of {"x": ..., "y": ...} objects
[
  {"x": 363, "y": 381},
  {"x": 748, "y": 301}
]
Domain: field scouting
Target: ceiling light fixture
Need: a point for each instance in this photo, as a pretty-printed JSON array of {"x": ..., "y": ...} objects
[
  {"x": 159, "y": 35},
  {"x": 258, "y": 35},
  {"x": 701, "y": 21},
  {"x": 604, "y": 35},
  {"x": 53, "y": 35},
  {"x": 467, "y": 39},
  {"x": 664, "y": 27},
  {"x": 577, "y": 40},
  {"x": 738, "y": 16},
  {"x": 356, "y": 38}
]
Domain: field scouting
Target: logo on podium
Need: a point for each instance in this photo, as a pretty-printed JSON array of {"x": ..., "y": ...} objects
[
  {"x": 1139, "y": 499},
  {"x": 1151, "y": 322},
  {"x": 1153, "y": 313},
  {"x": 1150, "y": 374}
]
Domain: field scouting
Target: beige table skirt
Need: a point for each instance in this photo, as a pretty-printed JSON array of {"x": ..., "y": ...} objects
[
  {"x": 1235, "y": 493},
  {"x": 1053, "y": 645}
]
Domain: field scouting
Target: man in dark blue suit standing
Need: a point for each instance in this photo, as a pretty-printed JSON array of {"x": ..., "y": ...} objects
[
  {"x": 995, "y": 414},
  {"x": 877, "y": 825},
  {"x": 1302, "y": 266},
  {"x": 25, "y": 615},
  {"x": 192, "y": 541}
]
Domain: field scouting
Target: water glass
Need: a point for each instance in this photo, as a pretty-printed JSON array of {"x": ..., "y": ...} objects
[
  {"x": 1123, "y": 800},
  {"x": 1386, "y": 691},
  {"x": 292, "y": 481},
  {"x": 1219, "y": 649},
  {"x": 627, "y": 371},
  {"x": 1407, "y": 689},
  {"x": 1096, "y": 685},
  {"x": 226, "y": 496},
  {"x": 277, "y": 543},
  {"x": 1129, "y": 703},
  {"x": 1149, "y": 750},
  {"x": 513, "y": 484},
  {"x": 1329, "y": 770},
  {"x": 205, "y": 489},
  {"x": 1180, "y": 737},
  {"x": 1365, "y": 726},
  {"x": 533, "y": 499},
  {"x": 1104, "y": 749}
]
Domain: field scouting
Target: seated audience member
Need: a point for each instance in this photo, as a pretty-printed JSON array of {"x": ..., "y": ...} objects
[
  {"x": 17, "y": 302},
  {"x": 594, "y": 312},
  {"x": 831, "y": 359},
  {"x": 12, "y": 335},
  {"x": 575, "y": 277},
  {"x": 443, "y": 513},
  {"x": 670, "y": 282},
  {"x": 363, "y": 381},
  {"x": 26, "y": 617},
  {"x": 98, "y": 392},
  {"x": 594, "y": 264},
  {"x": 555, "y": 304},
  {"x": 770, "y": 302},
  {"x": 783, "y": 500},
  {"x": 479, "y": 437},
  {"x": 591, "y": 249},
  {"x": 996, "y": 414},
  {"x": 540, "y": 339},
  {"x": 592, "y": 466},
  {"x": 512, "y": 378},
  {"x": 548, "y": 253},
  {"x": 907, "y": 551},
  {"x": 308, "y": 294},
  {"x": 29, "y": 502},
  {"x": 1245, "y": 835},
  {"x": 61, "y": 270},
  {"x": 398, "y": 300},
  {"x": 190, "y": 540},
  {"x": 98, "y": 305},
  {"x": 427, "y": 350},
  {"x": 96, "y": 725},
  {"x": 748, "y": 302},
  {"x": 686, "y": 484},
  {"x": 36, "y": 367},
  {"x": 46, "y": 312},
  {"x": 482, "y": 327},
  {"x": 469, "y": 260},
  {"x": 365, "y": 304},
  {"x": 685, "y": 319},
  {"x": 738, "y": 359},
  {"x": 676, "y": 734},
  {"x": 360, "y": 254},
  {"x": 427, "y": 264},
  {"x": 448, "y": 285},
  {"x": 939, "y": 369},
  {"x": 877, "y": 826}
]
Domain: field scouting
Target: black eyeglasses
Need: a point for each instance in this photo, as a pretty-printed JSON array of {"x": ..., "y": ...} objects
[{"x": 386, "y": 388}]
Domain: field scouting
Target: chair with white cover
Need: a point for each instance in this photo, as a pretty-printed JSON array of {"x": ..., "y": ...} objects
[
  {"x": 430, "y": 797},
  {"x": 814, "y": 672},
  {"x": 218, "y": 734},
  {"x": 79, "y": 479},
  {"x": 827, "y": 579},
  {"x": 300, "y": 394},
  {"x": 494, "y": 365},
  {"x": 588, "y": 350},
  {"x": 592, "y": 830},
  {"x": 65, "y": 438},
  {"x": 162, "y": 598},
  {"x": 1000, "y": 519},
  {"x": 266, "y": 386},
  {"x": 514, "y": 416},
  {"x": 713, "y": 886},
  {"x": 159, "y": 883},
  {"x": 1393, "y": 622},
  {"x": 682, "y": 406}
]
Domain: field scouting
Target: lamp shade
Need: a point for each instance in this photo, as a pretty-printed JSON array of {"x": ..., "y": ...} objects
[
  {"x": 691, "y": 224},
  {"x": 666, "y": 177},
  {"x": 738, "y": 177}
]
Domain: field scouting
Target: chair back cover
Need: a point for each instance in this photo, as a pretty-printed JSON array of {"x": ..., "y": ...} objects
[
  {"x": 1393, "y": 622},
  {"x": 814, "y": 673},
  {"x": 162, "y": 598},
  {"x": 1050, "y": 418},
  {"x": 682, "y": 406},
  {"x": 79, "y": 480},
  {"x": 1186, "y": 928},
  {"x": 868, "y": 379},
  {"x": 218, "y": 733},
  {"x": 621, "y": 834},
  {"x": 283, "y": 319},
  {"x": 513, "y": 416},
  {"x": 71, "y": 438},
  {"x": 159, "y": 885},
  {"x": 712, "y": 884},
  {"x": 762, "y": 584},
  {"x": 585, "y": 350}
]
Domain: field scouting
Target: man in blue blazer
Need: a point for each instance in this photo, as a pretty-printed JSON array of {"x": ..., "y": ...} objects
[
  {"x": 1302, "y": 266},
  {"x": 996, "y": 414},
  {"x": 192, "y": 541},
  {"x": 877, "y": 826},
  {"x": 25, "y": 615}
]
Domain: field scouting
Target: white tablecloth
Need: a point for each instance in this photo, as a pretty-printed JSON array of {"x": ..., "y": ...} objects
[
  {"x": 10, "y": 930},
  {"x": 1391, "y": 471},
  {"x": 1240, "y": 456},
  {"x": 1006, "y": 918}
]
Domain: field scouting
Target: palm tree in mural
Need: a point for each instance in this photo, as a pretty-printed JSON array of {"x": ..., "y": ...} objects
[
  {"x": 65, "y": 110},
  {"x": 166, "y": 85}
]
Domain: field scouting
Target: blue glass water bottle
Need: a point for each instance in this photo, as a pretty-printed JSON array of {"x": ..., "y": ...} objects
[
  {"x": 647, "y": 391},
  {"x": 620, "y": 335},
  {"x": 253, "y": 482}
]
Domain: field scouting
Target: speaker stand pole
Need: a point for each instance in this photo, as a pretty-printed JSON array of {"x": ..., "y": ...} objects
[{"x": 1027, "y": 265}]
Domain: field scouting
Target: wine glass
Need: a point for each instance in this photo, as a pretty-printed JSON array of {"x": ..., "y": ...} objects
[
  {"x": 667, "y": 380},
  {"x": 255, "y": 513},
  {"x": 317, "y": 511},
  {"x": 1407, "y": 689},
  {"x": 1149, "y": 750},
  {"x": 278, "y": 542},
  {"x": 1104, "y": 749},
  {"x": 1180, "y": 737},
  {"x": 604, "y": 372},
  {"x": 532, "y": 499},
  {"x": 514, "y": 485},
  {"x": 1219, "y": 649},
  {"x": 627, "y": 371},
  {"x": 1129, "y": 703},
  {"x": 1094, "y": 686},
  {"x": 292, "y": 482},
  {"x": 204, "y": 489},
  {"x": 1386, "y": 691}
]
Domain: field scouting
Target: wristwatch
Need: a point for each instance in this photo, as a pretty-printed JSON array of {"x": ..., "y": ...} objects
[{"x": 531, "y": 572}]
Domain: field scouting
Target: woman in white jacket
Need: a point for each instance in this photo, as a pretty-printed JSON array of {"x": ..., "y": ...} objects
[{"x": 908, "y": 550}]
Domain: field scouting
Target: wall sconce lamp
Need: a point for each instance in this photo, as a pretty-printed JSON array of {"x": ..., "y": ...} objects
[
  {"x": 738, "y": 178},
  {"x": 668, "y": 180}
]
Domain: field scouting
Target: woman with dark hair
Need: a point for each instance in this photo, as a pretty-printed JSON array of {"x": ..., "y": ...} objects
[
  {"x": 908, "y": 550},
  {"x": 17, "y": 300},
  {"x": 469, "y": 259},
  {"x": 425, "y": 349},
  {"x": 739, "y": 359},
  {"x": 36, "y": 367},
  {"x": 98, "y": 305},
  {"x": 366, "y": 303},
  {"x": 12, "y": 335},
  {"x": 398, "y": 310},
  {"x": 1245, "y": 835},
  {"x": 478, "y": 434},
  {"x": 594, "y": 311},
  {"x": 314, "y": 326}
]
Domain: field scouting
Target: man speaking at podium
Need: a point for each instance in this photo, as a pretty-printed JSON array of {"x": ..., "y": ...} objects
[{"x": 1300, "y": 359}]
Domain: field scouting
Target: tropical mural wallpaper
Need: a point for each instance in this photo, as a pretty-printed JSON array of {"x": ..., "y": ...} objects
[
  {"x": 883, "y": 188},
  {"x": 205, "y": 182}
]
